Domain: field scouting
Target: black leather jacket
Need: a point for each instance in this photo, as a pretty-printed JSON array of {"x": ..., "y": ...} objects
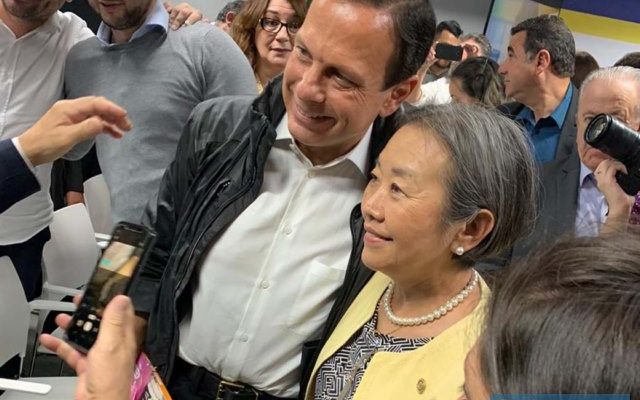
[{"x": 216, "y": 175}]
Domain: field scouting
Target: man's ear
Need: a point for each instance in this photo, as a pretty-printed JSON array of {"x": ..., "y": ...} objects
[
  {"x": 543, "y": 60},
  {"x": 229, "y": 17},
  {"x": 397, "y": 94}
]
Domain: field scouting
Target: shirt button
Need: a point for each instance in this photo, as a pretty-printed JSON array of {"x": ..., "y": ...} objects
[
  {"x": 264, "y": 285},
  {"x": 244, "y": 338},
  {"x": 311, "y": 174},
  {"x": 287, "y": 230}
]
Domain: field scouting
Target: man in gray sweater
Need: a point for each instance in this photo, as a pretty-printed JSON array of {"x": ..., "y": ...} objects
[{"x": 158, "y": 75}]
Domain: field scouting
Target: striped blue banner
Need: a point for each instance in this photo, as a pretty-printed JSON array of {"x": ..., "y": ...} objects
[{"x": 625, "y": 10}]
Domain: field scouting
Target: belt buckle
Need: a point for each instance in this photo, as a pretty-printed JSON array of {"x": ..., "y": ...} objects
[{"x": 234, "y": 388}]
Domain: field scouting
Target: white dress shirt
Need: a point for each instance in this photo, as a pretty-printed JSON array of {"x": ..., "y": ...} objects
[
  {"x": 267, "y": 284},
  {"x": 592, "y": 206},
  {"x": 434, "y": 93},
  {"x": 31, "y": 80}
]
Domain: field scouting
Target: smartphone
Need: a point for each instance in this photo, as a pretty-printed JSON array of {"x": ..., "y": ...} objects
[
  {"x": 127, "y": 250},
  {"x": 446, "y": 51}
]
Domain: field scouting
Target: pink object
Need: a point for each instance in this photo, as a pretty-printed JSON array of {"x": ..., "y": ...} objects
[
  {"x": 634, "y": 218},
  {"x": 141, "y": 377}
]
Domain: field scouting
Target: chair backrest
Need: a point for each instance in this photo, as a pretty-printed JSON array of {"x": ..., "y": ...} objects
[
  {"x": 15, "y": 313},
  {"x": 98, "y": 200},
  {"x": 71, "y": 254}
]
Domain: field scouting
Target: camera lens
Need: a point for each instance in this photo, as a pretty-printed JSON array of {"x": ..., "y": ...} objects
[{"x": 596, "y": 127}]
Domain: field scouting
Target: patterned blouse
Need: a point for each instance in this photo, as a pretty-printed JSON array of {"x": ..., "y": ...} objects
[{"x": 340, "y": 375}]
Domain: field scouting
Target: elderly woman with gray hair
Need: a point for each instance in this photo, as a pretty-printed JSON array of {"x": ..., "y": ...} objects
[{"x": 454, "y": 185}]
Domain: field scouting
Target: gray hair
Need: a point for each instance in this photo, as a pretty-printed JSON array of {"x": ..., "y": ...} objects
[
  {"x": 492, "y": 167},
  {"x": 481, "y": 40},
  {"x": 615, "y": 74},
  {"x": 232, "y": 6},
  {"x": 549, "y": 32}
]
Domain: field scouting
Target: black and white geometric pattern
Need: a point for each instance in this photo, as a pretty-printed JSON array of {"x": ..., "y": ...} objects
[{"x": 341, "y": 374}]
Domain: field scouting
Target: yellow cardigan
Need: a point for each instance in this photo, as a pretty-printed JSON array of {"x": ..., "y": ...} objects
[{"x": 433, "y": 371}]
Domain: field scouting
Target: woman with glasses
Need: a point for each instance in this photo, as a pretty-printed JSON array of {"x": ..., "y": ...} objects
[{"x": 265, "y": 31}]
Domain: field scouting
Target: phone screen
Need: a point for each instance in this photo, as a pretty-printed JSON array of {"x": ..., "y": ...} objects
[
  {"x": 445, "y": 51},
  {"x": 111, "y": 277}
]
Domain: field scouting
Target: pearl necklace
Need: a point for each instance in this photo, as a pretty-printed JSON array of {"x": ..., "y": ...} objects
[{"x": 436, "y": 314}]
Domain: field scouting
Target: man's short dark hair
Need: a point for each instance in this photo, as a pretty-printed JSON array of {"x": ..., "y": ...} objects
[
  {"x": 233, "y": 6},
  {"x": 451, "y": 25},
  {"x": 414, "y": 25},
  {"x": 629, "y": 60},
  {"x": 549, "y": 32}
]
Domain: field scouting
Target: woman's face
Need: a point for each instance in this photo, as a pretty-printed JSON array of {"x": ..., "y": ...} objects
[
  {"x": 274, "y": 48},
  {"x": 458, "y": 95},
  {"x": 403, "y": 206}
]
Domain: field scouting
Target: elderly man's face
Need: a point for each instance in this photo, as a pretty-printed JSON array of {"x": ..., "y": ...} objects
[
  {"x": 471, "y": 48},
  {"x": 333, "y": 85},
  {"x": 619, "y": 98},
  {"x": 122, "y": 14},
  {"x": 32, "y": 10}
]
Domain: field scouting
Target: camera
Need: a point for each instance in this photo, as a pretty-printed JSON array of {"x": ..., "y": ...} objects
[{"x": 617, "y": 140}]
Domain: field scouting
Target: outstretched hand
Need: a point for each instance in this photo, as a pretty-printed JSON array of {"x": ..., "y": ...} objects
[{"x": 69, "y": 122}]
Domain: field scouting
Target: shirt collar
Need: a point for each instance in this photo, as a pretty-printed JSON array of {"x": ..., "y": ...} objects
[
  {"x": 558, "y": 115},
  {"x": 359, "y": 155},
  {"x": 585, "y": 172},
  {"x": 158, "y": 17}
]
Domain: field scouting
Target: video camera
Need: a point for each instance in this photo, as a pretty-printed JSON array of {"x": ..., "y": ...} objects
[{"x": 614, "y": 138}]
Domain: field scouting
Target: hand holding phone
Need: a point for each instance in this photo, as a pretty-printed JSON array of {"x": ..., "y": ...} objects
[
  {"x": 445, "y": 51},
  {"x": 127, "y": 250}
]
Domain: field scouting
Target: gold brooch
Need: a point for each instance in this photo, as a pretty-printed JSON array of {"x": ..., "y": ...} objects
[{"x": 421, "y": 385}]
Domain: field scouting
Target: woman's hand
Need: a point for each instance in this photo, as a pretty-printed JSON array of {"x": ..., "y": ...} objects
[{"x": 182, "y": 14}]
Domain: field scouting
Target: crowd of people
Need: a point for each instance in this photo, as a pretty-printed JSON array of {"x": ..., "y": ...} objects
[{"x": 340, "y": 213}]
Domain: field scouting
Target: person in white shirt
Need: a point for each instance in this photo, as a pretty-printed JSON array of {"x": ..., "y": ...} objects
[
  {"x": 255, "y": 216},
  {"x": 437, "y": 90}
]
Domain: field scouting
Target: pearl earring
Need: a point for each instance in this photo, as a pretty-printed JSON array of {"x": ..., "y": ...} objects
[{"x": 459, "y": 250}]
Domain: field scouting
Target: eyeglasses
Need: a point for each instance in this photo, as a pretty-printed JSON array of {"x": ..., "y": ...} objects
[{"x": 274, "y": 26}]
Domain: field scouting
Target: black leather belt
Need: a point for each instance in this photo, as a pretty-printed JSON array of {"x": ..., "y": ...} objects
[{"x": 218, "y": 388}]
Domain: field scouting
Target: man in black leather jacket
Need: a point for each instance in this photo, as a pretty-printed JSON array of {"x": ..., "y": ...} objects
[{"x": 231, "y": 176}]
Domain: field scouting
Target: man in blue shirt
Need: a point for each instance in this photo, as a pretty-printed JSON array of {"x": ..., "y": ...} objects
[{"x": 537, "y": 74}]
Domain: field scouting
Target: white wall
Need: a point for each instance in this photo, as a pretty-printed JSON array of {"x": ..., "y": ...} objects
[
  {"x": 210, "y": 8},
  {"x": 471, "y": 14}
]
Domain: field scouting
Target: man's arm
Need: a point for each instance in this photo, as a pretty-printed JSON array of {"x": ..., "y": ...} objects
[
  {"x": 225, "y": 69},
  {"x": 16, "y": 179},
  {"x": 66, "y": 123},
  {"x": 162, "y": 215}
]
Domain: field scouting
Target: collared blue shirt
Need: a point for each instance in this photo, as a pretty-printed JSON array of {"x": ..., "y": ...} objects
[
  {"x": 158, "y": 18},
  {"x": 545, "y": 134}
]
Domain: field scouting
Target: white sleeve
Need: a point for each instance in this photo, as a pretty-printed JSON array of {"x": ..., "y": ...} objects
[{"x": 18, "y": 147}]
